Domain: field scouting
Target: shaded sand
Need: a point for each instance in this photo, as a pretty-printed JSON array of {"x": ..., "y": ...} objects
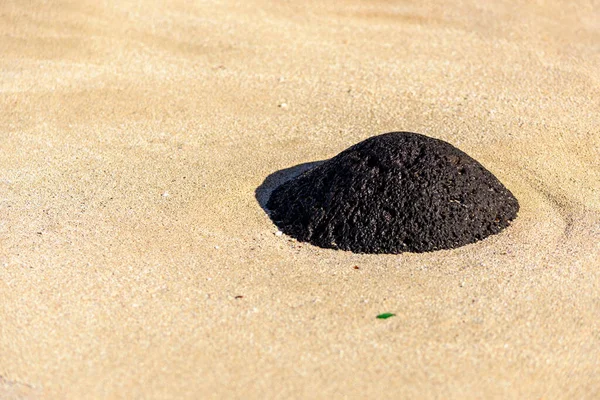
[{"x": 133, "y": 136}]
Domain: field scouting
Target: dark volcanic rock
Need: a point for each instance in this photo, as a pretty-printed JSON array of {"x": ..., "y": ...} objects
[{"x": 392, "y": 193}]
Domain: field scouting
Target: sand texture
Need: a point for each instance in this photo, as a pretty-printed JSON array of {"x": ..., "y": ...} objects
[{"x": 138, "y": 140}]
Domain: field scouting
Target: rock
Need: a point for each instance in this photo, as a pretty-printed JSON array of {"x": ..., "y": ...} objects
[{"x": 393, "y": 193}]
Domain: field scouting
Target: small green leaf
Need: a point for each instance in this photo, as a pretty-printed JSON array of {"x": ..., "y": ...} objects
[{"x": 386, "y": 315}]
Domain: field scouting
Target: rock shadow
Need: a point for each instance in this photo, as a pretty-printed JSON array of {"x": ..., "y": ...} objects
[{"x": 277, "y": 178}]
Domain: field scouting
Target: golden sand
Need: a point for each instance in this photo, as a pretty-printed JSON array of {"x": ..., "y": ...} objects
[{"x": 133, "y": 135}]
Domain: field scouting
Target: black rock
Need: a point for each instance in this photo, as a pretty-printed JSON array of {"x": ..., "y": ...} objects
[{"x": 393, "y": 193}]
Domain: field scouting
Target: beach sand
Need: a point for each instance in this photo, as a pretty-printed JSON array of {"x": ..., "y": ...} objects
[{"x": 135, "y": 141}]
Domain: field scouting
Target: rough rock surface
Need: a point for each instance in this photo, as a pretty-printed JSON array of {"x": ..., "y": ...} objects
[{"x": 393, "y": 193}]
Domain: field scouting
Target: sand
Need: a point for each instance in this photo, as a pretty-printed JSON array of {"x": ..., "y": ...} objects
[{"x": 133, "y": 136}]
